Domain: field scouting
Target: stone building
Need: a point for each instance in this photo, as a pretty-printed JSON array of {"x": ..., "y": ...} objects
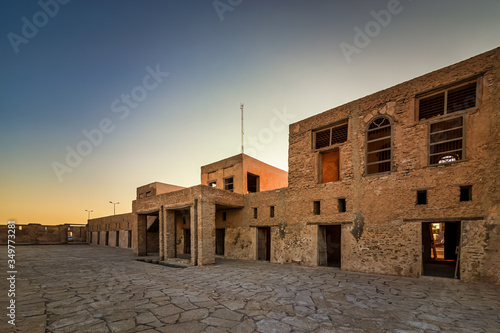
[
  {"x": 401, "y": 182},
  {"x": 39, "y": 234}
]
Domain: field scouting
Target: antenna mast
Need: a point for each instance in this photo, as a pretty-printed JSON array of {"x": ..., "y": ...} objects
[{"x": 241, "y": 107}]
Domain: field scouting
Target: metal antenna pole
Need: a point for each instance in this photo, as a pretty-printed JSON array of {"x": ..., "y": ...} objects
[{"x": 242, "y": 149}]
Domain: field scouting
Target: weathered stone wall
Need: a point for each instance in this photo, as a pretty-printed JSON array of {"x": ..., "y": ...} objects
[
  {"x": 34, "y": 233},
  {"x": 123, "y": 223},
  {"x": 385, "y": 233}
]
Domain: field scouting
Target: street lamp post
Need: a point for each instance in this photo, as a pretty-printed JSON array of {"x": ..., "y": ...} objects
[
  {"x": 89, "y": 211},
  {"x": 114, "y": 206}
]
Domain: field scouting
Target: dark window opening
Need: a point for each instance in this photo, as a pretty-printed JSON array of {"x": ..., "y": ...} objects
[
  {"x": 330, "y": 136},
  {"x": 465, "y": 193},
  {"x": 422, "y": 197},
  {"x": 252, "y": 183},
  {"x": 228, "y": 184},
  {"x": 212, "y": 183},
  {"x": 379, "y": 146},
  {"x": 271, "y": 211},
  {"x": 446, "y": 141},
  {"x": 448, "y": 101},
  {"x": 255, "y": 213},
  {"x": 342, "y": 205},
  {"x": 224, "y": 216},
  {"x": 317, "y": 207},
  {"x": 330, "y": 167}
]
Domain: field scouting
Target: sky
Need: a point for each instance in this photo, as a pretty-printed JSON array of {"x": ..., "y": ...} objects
[{"x": 101, "y": 97}]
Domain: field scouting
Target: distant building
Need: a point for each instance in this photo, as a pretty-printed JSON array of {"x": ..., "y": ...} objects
[
  {"x": 39, "y": 234},
  {"x": 402, "y": 182}
]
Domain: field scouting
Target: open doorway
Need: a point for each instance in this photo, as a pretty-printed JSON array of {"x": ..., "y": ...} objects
[
  {"x": 441, "y": 249},
  {"x": 220, "y": 235},
  {"x": 187, "y": 241},
  {"x": 329, "y": 245},
  {"x": 264, "y": 243}
]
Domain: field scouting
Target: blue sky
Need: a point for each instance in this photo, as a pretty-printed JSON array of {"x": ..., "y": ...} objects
[{"x": 274, "y": 56}]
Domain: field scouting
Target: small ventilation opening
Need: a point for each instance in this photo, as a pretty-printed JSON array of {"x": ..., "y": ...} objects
[
  {"x": 342, "y": 205},
  {"x": 317, "y": 207},
  {"x": 271, "y": 211},
  {"x": 422, "y": 197},
  {"x": 255, "y": 214},
  {"x": 465, "y": 193}
]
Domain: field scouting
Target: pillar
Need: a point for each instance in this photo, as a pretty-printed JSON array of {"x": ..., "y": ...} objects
[
  {"x": 194, "y": 232},
  {"x": 140, "y": 235},
  {"x": 206, "y": 232},
  {"x": 161, "y": 237},
  {"x": 170, "y": 234}
]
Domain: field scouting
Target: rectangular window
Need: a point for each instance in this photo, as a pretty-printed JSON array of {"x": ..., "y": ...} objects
[
  {"x": 317, "y": 207},
  {"x": 446, "y": 141},
  {"x": 330, "y": 136},
  {"x": 422, "y": 197},
  {"x": 212, "y": 183},
  {"x": 448, "y": 101},
  {"x": 252, "y": 183},
  {"x": 228, "y": 184},
  {"x": 255, "y": 213},
  {"x": 224, "y": 216},
  {"x": 466, "y": 193},
  {"x": 330, "y": 167},
  {"x": 342, "y": 205},
  {"x": 271, "y": 211}
]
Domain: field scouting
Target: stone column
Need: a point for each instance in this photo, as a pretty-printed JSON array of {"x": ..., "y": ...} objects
[
  {"x": 170, "y": 234},
  {"x": 161, "y": 218},
  {"x": 140, "y": 235},
  {"x": 194, "y": 232},
  {"x": 206, "y": 232}
]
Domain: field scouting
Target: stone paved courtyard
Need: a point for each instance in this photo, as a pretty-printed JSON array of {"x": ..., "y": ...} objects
[{"x": 81, "y": 288}]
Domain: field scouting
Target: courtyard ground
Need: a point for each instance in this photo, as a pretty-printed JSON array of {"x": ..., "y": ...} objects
[{"x": 81, "y": 288}]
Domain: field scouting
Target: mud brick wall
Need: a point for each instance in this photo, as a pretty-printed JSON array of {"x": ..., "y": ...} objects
[
  {"x": 121, "y": 223},
  {"x": 380, "y": 238}
]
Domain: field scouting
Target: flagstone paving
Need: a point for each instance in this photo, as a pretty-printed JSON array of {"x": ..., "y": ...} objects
[{"x": 81, "y": 288}]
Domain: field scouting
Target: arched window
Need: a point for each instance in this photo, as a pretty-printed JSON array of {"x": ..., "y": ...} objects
[{"x": 379, "y": 146}]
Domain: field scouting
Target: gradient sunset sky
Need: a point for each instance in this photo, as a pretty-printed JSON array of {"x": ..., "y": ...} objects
[{"x": 274, "y": 56}]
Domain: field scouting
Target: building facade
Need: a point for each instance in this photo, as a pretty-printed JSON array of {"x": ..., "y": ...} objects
[
  {"x": 39, "y": 234},
  {"x": 401, "y": 182}
]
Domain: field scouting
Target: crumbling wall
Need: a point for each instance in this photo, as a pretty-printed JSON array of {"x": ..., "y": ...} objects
[{"x": 384, "y": 233}]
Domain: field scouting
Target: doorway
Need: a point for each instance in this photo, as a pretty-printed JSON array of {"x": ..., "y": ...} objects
[
  {"x": 264, "y": 243},
  {"x": 441, "y": 249},
  {"x": 187, "y": 241},
  {"x": 329, "y": 245},
  {"x": 117, "y": 238},
  {"x": 220, "y": 235}
]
